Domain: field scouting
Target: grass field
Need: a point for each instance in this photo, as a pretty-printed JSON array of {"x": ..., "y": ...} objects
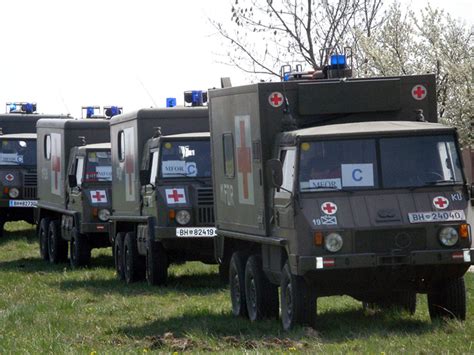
[{"x": 49, "y": 308}]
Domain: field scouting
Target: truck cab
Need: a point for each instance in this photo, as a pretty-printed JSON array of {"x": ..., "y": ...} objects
[
  {"x": 163, "y": 200},
  {"x": 338, "y": 186},
  {"x": 18, "y": 175}
]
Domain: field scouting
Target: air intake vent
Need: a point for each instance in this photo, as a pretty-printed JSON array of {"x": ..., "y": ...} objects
[
  {"x": 205, "y": 211},
  {"x": 205, "y": 196}
]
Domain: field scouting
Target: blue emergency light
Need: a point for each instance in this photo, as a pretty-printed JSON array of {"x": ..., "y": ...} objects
[
  {"x": 197, "y": 99},
  {"x": 170, "y": 102},
  {"x": 90, "y": 112},
  {"x": 111, "y": 111},
  {"x": 12, "y": 107},
  {"x": 338, "y": 60}
]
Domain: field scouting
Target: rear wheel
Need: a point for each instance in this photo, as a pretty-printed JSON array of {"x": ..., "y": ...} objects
[
  {"x": 156, "y": 264},
  {"x": 448, "y": 300},
  {"x": 297, "y": 299},
  {"x": 237, "y": 284},
  {"x": 43, "y": 231},
  {"x": 133, "y": 262},
  {"x": 118, "y": 255},
  {"x": 57, "y": 246},
  {"x": 261, "y": 295},
  {"x": 80, "y": 251}
]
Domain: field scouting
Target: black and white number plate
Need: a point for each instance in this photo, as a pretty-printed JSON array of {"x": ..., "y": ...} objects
[
  {"x": 196, "y": 232},
  {"x": 22, "y": 203},
  {"x": 437, "y": 216}
]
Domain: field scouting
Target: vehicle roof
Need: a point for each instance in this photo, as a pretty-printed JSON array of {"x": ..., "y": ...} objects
[
  {"x": 189, "y": 135},
  {"x": 154, "y": 113},
  {"x": 19, "y": 136},
  {"x": 374, "y": 127},
  {"x": 72, "y": 122},
  {"x": 97, "y": 146}
]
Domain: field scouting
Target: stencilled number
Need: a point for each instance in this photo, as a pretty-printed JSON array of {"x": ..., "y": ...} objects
[{"x": 456, "y": 196}]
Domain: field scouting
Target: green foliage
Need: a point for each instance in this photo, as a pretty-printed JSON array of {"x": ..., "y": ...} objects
[{"x": 51, "y": 309}]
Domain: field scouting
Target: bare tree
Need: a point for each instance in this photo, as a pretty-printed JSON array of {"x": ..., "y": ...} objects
[{"x": 264, "y": 35}]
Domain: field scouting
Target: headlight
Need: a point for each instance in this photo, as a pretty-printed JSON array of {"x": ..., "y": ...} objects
[
  {"x": 448, "y": 236},
  {"x": 104, "y": 215},
  {"x": 333, "y": 242},
  {"x": 14, "y": 192},
  {"x": 183, "y": 217}
]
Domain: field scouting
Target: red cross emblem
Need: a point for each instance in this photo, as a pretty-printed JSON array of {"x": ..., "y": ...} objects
[
  {"x": 9, "y": 177},
  {"x": 275, "y": 99},
  {"x": 98, "y": 196},
  {"x": 175, "y": 196},
  {"x": 419, "y": 92},
  {"x": 441, "y": 202},
  {"x": 244, "y": 160},
  {"x": 56, "y": 167},
  {"x": 329, "y": 208}
]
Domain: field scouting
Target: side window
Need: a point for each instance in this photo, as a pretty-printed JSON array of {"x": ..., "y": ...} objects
[
  {"x": 287, "y": 157},
  {"x": 79, "y": 170},
  {"x": 121, "y": 145},
  {"x": 228, "y": 144},
  {"x": 154, "y": 167},
  {"x": 47, "y": 147}
]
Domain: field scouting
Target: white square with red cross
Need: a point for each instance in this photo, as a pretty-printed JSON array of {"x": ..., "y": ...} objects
[
  {"x": 175, "y": 196},
  {"x": 98, "y": 196}
]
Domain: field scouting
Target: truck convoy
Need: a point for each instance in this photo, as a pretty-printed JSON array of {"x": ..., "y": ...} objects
[
  {"x": 74, "y": 164},
  {"x": 338, "y": 186},
  {"x": 18, "y": 162},
  {"x": 162, "y": 209}
]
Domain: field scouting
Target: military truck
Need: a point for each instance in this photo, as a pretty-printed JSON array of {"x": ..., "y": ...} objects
[
  {"x": 162, "y": 211},
  {"x": 18, "y": 161},
  {"x": 338, "y": 186},
  {"x": 74, "y": 165}
]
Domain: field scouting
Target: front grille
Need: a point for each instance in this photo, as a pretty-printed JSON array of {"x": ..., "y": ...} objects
[
  {"x": 382, "y": 241},
  {"x": 205, "y": 211},
  {"x": 30, "y": 181}
]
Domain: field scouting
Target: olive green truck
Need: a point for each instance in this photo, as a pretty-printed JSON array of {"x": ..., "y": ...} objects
[{"x": 338, "y": 186}]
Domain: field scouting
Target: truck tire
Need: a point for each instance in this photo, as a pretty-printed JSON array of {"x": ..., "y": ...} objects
[
  {"x": 80, "y": 250},
  {"x": 2, "y": 224},
  {"x": 261, "y": 295},
  {"x": 237, "y": 284},
  {"x": 118, "y": 255},
  {"x": 133, "y": 263},
  {"x": 448, "y": 300},
  {"x": 298, "y": 300},
  {"x": 43, "y": 231},
  {"x": 57, "y": 246},
  {"x": 156, "y": 264}
]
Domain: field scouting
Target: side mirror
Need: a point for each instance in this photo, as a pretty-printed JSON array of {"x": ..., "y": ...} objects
[
  {"x": 72, "y": 180},
  {"x": 274, "y": 171},
  {"x": 144, "y": 177}
]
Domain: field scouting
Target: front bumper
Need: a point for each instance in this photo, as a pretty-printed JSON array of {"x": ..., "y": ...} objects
[{"x": 304, "y": 264}]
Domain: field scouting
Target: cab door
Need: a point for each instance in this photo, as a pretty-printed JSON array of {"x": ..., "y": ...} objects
[
  {"x": 149, "y": 190},
  {"x": 284, "y": 197},
  {"x": 74, "y": 198}
]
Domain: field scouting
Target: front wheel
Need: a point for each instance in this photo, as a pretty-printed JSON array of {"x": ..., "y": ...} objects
[
  {"x": 297, "y": 299},
  {"x": 134, "y": 268},
  {"x": 448, "y": 300},
  {"x": 118, "y": 255},
  {"x": 156, "y": 264},
  {"x": 80, "y": 251}
]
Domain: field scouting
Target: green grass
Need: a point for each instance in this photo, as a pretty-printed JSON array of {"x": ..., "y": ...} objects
[{"x": 49, "y": 308}]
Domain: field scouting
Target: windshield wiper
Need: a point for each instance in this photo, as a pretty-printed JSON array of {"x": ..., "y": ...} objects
[{"x": 442, "y": 182}]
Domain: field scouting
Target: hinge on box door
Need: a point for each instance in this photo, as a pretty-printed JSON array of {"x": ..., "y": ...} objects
[{"x": 261, "y": 219}]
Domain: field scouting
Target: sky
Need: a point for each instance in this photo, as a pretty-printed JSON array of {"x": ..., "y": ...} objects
[{"x": 65, "y": 54}]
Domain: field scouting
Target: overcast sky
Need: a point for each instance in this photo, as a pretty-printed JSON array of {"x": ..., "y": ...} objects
[{"x": 67, "y": 54}]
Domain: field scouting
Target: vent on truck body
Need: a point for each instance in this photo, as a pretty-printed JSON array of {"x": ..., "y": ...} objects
[{"x": 205, "y": 210}]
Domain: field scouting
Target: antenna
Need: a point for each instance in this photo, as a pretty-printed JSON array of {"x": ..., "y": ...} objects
[{"x": 147, "y": 92}]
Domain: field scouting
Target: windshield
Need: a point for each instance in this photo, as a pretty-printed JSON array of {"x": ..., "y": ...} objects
[
  {"x": 393, "y": 162},
  {"x": 18, "y": 152},
  {"x": 98, "y": 166},
  {"x": 189, "y": 158}
]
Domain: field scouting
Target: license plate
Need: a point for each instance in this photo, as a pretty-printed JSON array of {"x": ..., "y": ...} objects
[
  {"x": 196, "y": 232},
  {"x": 438, "y": 216},
  {"x": 22, "y": 203}
]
